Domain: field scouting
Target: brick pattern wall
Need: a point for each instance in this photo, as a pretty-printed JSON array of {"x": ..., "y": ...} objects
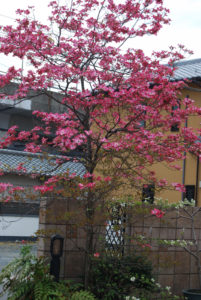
[
  {"x": 172, "y": 265},
  {"x": 66, "y": 217}
]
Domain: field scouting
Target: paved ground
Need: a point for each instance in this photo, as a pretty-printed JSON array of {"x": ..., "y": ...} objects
[{"x": 8, "y": 251}]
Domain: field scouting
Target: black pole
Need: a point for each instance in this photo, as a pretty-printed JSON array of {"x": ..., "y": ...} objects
[
  {"x": 197, "y": 181},
  {"x": 184, "y": 161},
  {"x": 55, "y": 267},
  {"x": 56, "y": 250}
]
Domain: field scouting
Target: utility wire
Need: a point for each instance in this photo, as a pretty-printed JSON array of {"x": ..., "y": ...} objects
[{"x": 2, "y": 15}]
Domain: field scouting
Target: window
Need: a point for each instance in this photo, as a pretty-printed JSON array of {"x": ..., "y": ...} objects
[
  {"x": 19, "y": 208},
  {"x": 175, "y": 127},
  {"x": 142, "y": 122},
  {"x": 4, "y": 121},
  {"x": 148, "y": 192},
  {"x": 190, "y": 192}
]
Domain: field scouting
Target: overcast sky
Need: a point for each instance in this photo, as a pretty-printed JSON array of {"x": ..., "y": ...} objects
[{"x": 185, "y": 26}]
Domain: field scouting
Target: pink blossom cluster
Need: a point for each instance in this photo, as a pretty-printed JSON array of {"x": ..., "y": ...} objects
[
  {"x": 43, "y": 189},
  {"x": 115, "y": 106},
  {"x": 4, "y": 186},
  {"x": 157, "y": 212},
  {"x": 179, "y": 187}
]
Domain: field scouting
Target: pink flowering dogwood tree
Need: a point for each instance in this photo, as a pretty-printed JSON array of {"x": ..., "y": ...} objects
[{"x": 116, "y": 102}]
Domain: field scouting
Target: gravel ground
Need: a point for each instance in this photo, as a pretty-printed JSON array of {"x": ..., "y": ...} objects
[{"x": 8, "y": 251}]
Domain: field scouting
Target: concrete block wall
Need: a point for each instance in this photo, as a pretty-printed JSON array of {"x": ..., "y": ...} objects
[
  {"x": 66, "y": 217},
  {"x": 172, "y": 265}
]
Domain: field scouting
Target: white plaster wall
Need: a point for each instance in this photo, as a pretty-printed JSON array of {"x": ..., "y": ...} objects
[
  {"x": 22, "y": 180},
  {"x": 25, "y": 104},
  {"x": 18, "y": 226}
]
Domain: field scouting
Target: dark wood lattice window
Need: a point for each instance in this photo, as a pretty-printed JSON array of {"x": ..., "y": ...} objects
[
  {"x": 190, "y": 192},
  {"x": 148, "y": 192},
  {"x": 115, "y": 230}
]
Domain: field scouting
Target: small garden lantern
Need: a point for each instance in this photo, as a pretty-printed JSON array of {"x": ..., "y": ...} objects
[{"x": 56, "y": 250}]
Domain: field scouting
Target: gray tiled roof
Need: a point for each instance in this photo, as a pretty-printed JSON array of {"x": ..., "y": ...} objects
[
  {"x": 37, "y": 163},
  {"x": 190, "y": 69}
]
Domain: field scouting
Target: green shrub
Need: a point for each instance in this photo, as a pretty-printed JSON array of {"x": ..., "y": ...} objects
[
  {"x": 27, "y": 277},
  {"x": 110, "y": 277},
  {"x": 154, "y": 292},
  {"x": 82, "y": 295}
]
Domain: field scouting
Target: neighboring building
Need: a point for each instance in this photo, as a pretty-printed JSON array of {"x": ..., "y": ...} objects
[
  {"x": 190, "y": 173},
  {"x": 19, "y": 219}
]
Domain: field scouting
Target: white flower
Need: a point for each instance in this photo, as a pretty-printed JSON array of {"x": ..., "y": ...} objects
[{"x": 132, "y": 279}]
